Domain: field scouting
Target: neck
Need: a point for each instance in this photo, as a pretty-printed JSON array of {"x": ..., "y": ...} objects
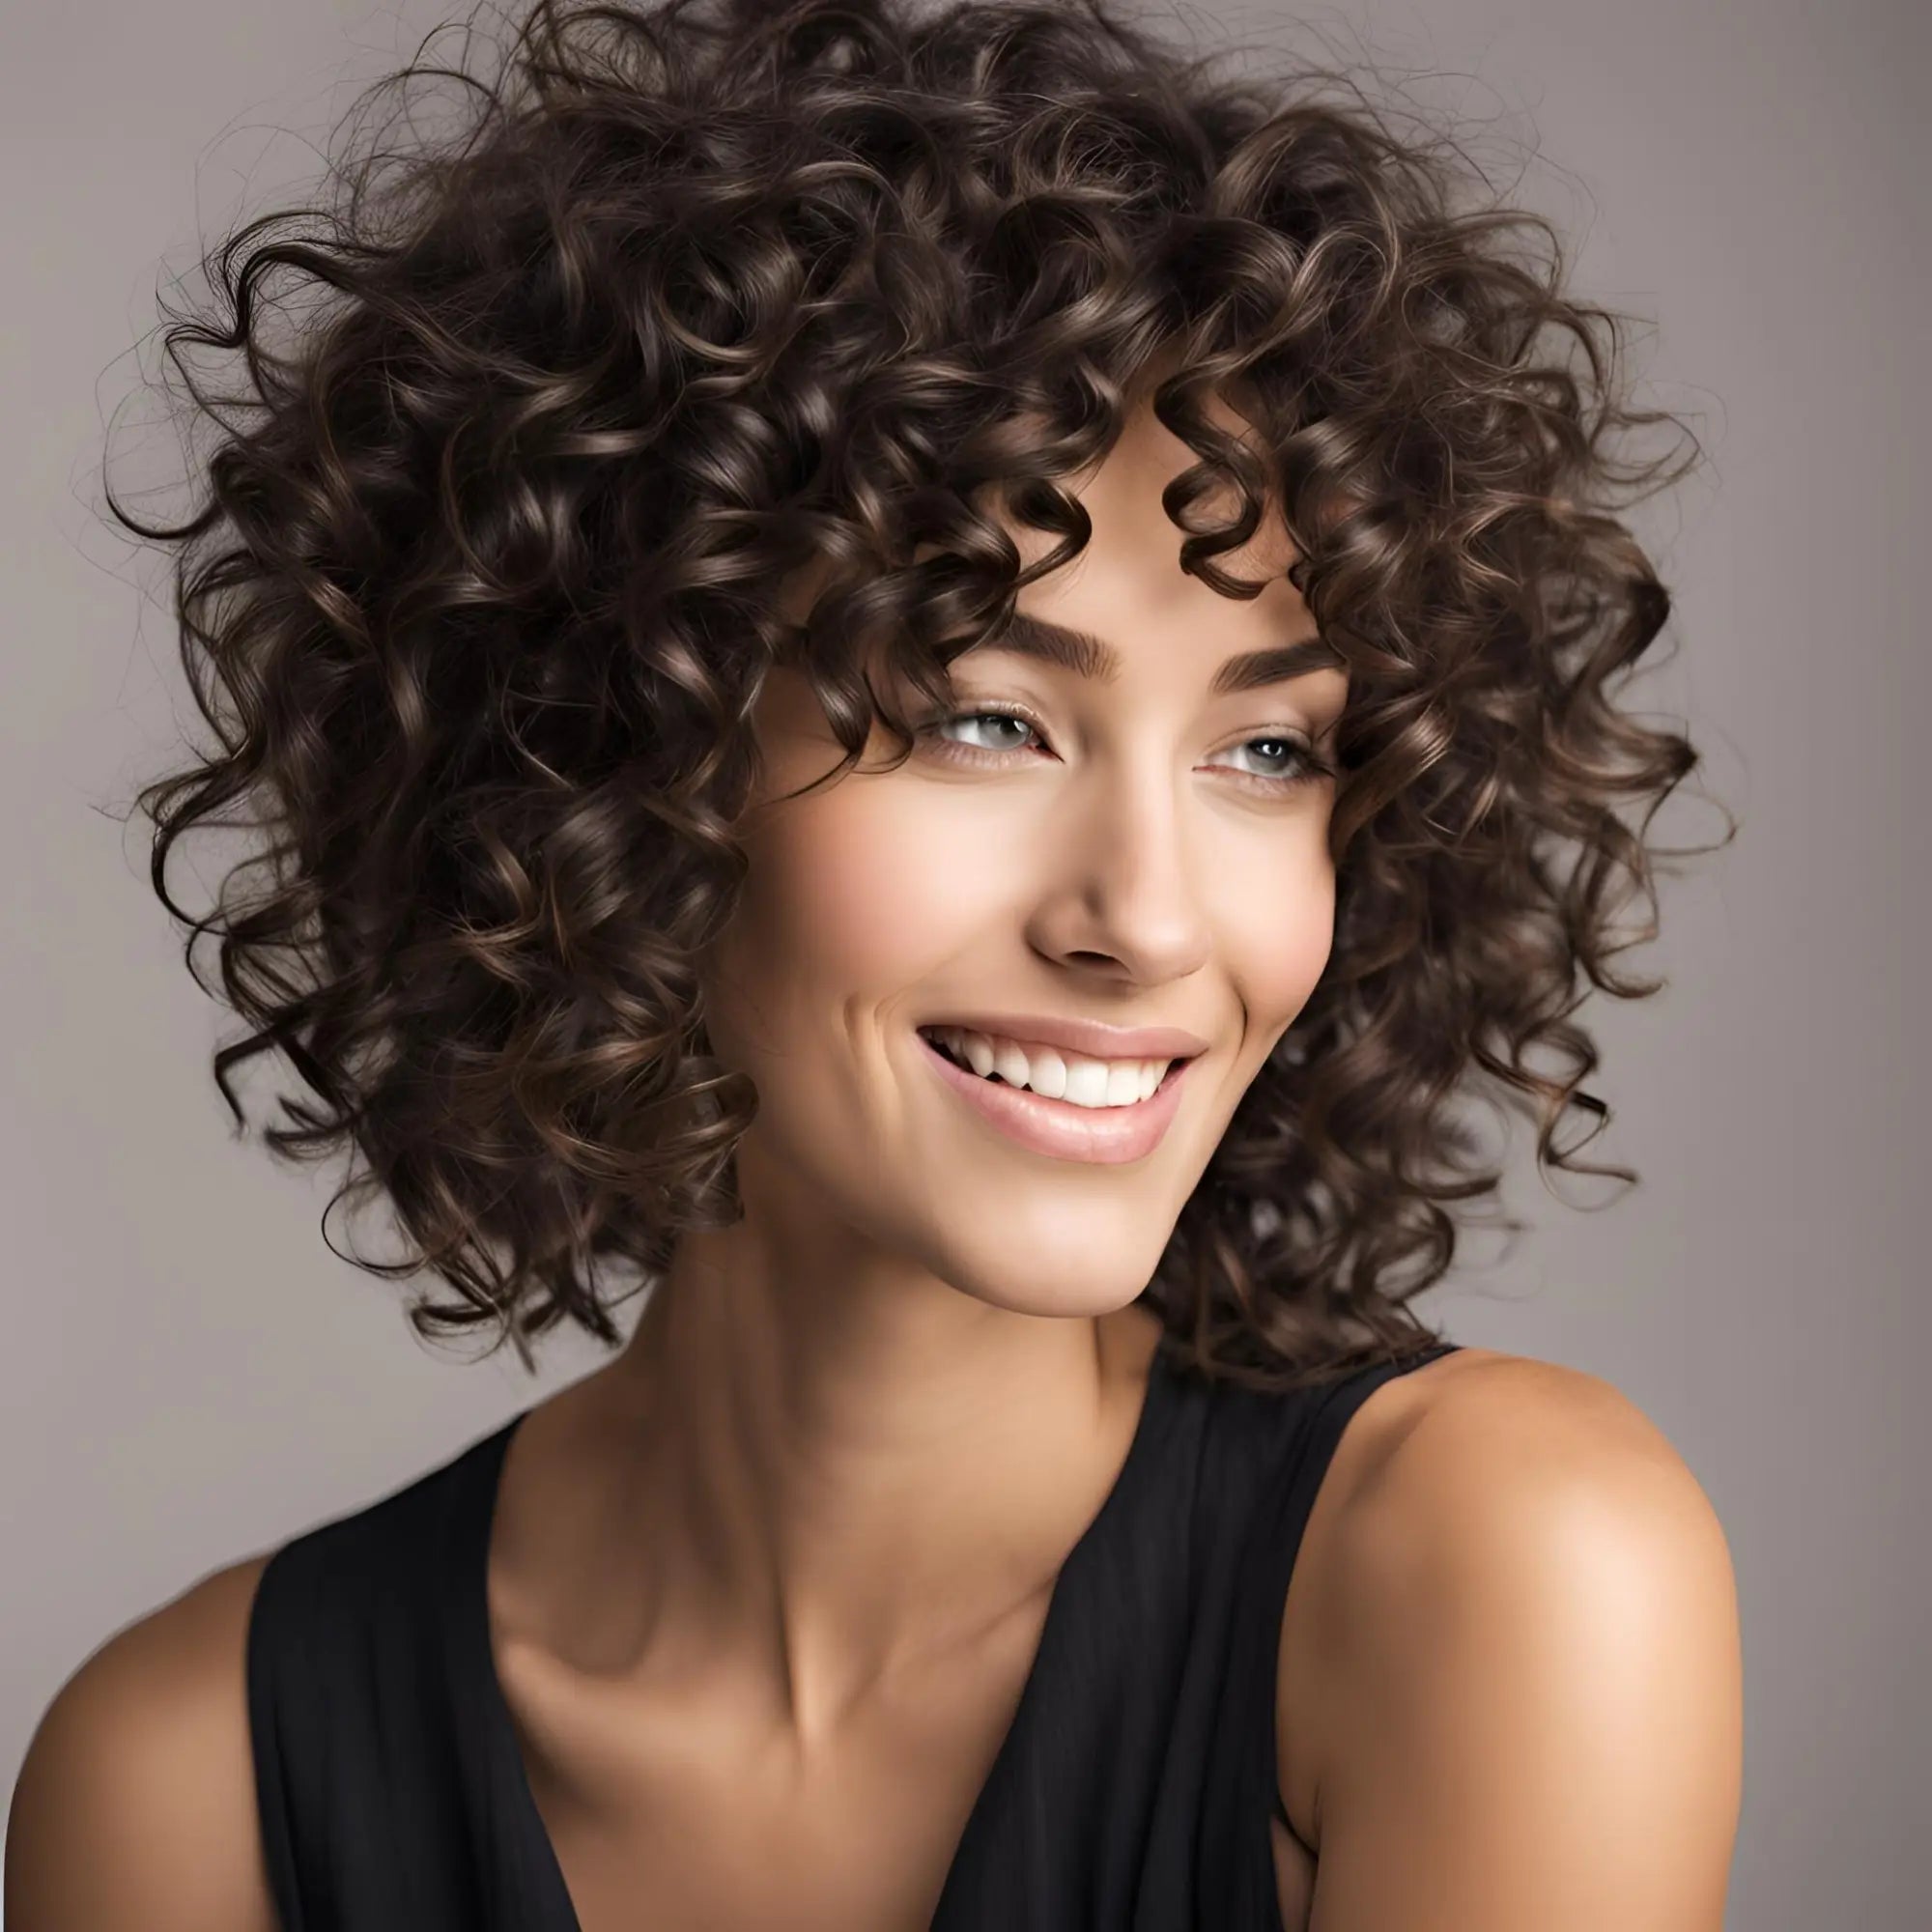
[{"x": 838, "y": 1482}]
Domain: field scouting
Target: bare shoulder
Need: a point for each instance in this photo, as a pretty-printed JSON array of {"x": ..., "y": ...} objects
[
  {"x": 135, "y": 1804},
  {"x": 1513, "y": 1621},
  {"x": 1489, "y": 1433}
]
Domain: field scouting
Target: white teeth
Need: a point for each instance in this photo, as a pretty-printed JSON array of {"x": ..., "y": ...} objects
[
  {"x": 1009, "y": 1063},
  {"x": 1055, "y": 1075},
  {"x": 1088, "y": 1082},
  {"x": 1046, "y": 1073},
  {"x": 977, "y": 1048}
]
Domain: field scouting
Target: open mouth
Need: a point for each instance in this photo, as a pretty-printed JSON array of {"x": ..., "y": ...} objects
[
  {"x": 932, "y": 1035},
  {"x": 1125, "y": 1129}
]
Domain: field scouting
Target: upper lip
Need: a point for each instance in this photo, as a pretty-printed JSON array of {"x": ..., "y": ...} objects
[{"x": 1096, "y": 1038}]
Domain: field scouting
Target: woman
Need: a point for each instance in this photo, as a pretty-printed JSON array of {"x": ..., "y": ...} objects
[{"x": 922, "y": 678}]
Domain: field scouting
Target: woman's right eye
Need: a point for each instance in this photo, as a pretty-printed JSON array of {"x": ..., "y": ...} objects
[
  {"x": 978, "y": 717},
  {"x": 996, "y": 718}
]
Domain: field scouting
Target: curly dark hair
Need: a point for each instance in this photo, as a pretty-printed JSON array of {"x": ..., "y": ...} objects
[{"x": 486, "y": 579}]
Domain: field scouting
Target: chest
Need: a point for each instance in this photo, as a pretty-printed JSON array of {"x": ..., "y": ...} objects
[
  {"x": 862, "y": 1840},
  {"x": 703, "y": 1862},
  {"x": 666, "y": 1811},
  {"x": 722, "y": 1870}
]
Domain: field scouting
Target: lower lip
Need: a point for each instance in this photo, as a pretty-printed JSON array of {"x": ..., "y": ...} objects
[{"x": 1059, "y": 1127}]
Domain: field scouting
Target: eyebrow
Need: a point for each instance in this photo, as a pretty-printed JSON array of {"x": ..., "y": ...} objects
[{"x": 1089, "y": 656}]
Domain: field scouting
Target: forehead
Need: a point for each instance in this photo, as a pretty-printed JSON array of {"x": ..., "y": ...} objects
[
  {"x": 1128, "y": 582},
  {"x": 1123, "y": 496},
  {"x": 1127, "y": 595}
]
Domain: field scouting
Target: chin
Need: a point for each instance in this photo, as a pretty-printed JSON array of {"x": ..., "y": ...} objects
[{"x": 1078, "y": 1283}]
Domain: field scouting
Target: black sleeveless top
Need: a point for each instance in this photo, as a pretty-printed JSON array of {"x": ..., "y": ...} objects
[{"x": 1132, "y": 1791}]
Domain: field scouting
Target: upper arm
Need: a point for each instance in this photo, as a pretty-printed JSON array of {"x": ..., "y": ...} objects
[
  {"x": 136, "y": 1806},
  {"x": 1533, "y": 1703}
]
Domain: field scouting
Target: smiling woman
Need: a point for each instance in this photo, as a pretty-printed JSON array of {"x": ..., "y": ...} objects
[
  {"x": 1135, "y": 835},
  {"x": 919, "y": 684}
]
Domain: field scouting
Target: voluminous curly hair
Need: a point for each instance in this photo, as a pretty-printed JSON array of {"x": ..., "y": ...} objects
[{"x": 487, "y": 571}]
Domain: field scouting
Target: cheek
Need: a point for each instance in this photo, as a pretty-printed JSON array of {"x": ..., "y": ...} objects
[
  {"x": 851, "y": 897},
  {"x": 1279, "y": 940}
]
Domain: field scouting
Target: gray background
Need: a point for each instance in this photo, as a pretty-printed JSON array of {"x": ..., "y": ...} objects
[{"x": 190, "y": 1374}]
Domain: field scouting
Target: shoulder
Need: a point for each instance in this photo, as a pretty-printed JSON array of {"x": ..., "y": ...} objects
[
  {"x": 135, "y": 1804},
  {"x": 1484, "y": 1458},
  {"x": 1483, "y": 1444},
  {"x": 1517, "y": 1623}
]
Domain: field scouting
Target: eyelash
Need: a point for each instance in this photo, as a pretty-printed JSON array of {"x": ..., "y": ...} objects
[{"x": 1313, "y": 766}]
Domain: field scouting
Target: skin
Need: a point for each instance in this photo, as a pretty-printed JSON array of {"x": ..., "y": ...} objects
[{"x": 775, "y": 1575}]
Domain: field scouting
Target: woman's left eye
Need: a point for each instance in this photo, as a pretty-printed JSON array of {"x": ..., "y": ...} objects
[{"x": 1307, "y": 765}]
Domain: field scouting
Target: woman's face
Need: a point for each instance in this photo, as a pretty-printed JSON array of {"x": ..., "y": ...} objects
[{"x": 1127, "y": 853}]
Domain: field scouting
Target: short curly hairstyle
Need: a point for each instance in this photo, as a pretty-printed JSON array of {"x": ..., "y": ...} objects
[{"x": 487, "y": 576}]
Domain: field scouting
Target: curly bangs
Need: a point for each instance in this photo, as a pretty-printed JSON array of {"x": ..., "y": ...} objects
[{"x": 487, "y": 560}]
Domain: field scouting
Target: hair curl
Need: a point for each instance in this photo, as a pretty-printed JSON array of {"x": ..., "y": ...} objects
[{"x": 486, "y": 579}]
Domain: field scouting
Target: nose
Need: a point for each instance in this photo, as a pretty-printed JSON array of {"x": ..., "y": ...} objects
[{"x": 1127, "y": 879}]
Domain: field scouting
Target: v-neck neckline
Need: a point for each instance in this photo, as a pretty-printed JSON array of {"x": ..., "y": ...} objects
[{"x": 469, "y": 1577}]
